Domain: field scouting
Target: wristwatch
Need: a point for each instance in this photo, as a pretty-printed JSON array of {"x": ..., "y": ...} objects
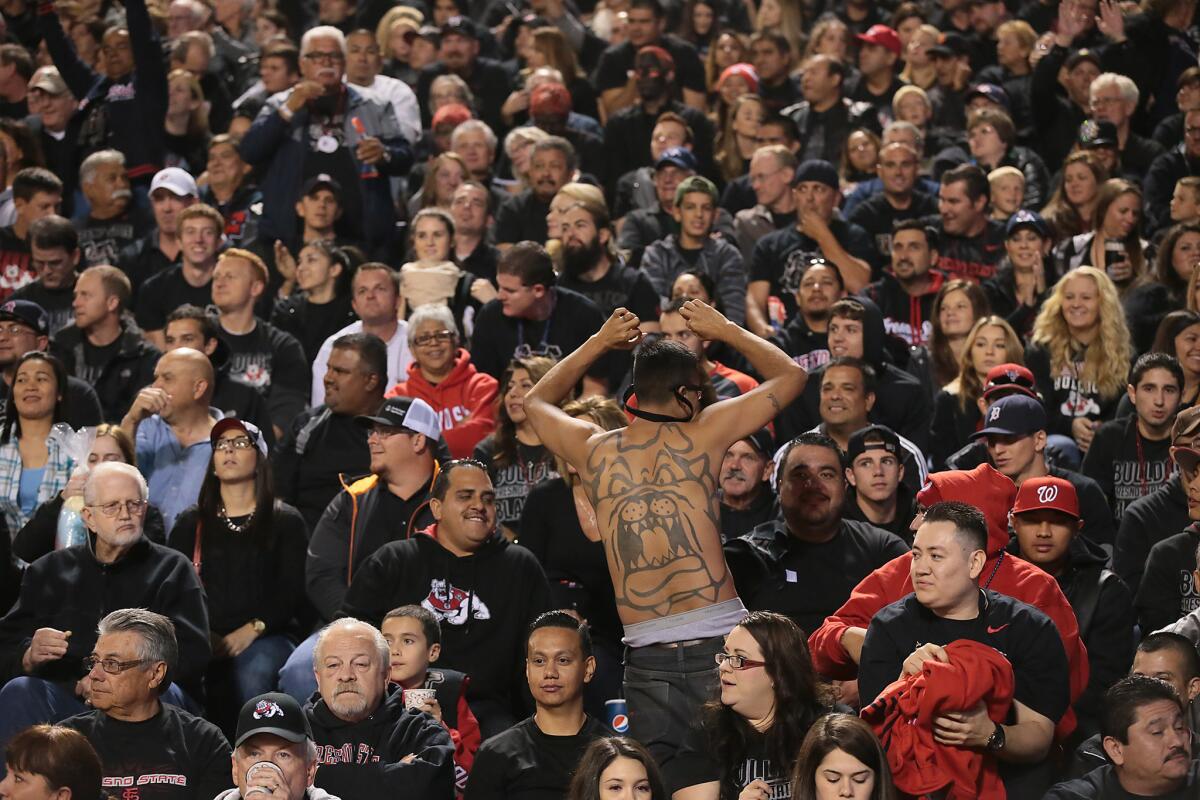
[
  {"x": 258, "y": 625},
  {"x": 995, "y": 742}
]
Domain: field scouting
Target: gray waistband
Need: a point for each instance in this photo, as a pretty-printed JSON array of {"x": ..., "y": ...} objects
[{"x": 699, "y": 623}]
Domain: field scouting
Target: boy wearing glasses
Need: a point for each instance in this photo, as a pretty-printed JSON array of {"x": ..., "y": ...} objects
[{"x": 52, "y": 628}]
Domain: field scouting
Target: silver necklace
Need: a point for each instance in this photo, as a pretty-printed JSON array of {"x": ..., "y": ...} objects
[{"x": 229, "y": 523}]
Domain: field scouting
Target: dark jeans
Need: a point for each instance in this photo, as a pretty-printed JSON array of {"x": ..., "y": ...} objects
[{"x": 664, "y": 689}]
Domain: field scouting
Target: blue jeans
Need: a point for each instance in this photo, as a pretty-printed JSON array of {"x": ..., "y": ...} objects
[
  {"x": 256, "y": 670},
  {"x": 664, "y": 689},
  {"x": 1063, "y": 451},
  {"x": 296, "y": 676},
  {"x": 26, "y": 701}
]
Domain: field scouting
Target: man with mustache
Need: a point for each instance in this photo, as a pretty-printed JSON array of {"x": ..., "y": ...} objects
[
  {"x": 747, "y": 499},
  {"x": 523, "y": 217},
  {"x": 1146, "y": 735},
  {"x": 111, "y": 224},
  {"x": 368, "y": 743},
  {"x": 806, "y": 563},
  {"x": 53, "y": 626}
]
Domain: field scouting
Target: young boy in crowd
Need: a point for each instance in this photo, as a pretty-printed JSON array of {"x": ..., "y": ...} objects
[
  {"x": 414, "y": 637},
  {"x": 1185, "y": 202},
  {"x": 1007, "y": 189}
]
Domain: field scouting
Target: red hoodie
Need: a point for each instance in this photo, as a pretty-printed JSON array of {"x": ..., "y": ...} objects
[
  {"x": 993, "y": 494},
  {"x": 464, "y": 400},
  {"x": 903, "y": 719}
]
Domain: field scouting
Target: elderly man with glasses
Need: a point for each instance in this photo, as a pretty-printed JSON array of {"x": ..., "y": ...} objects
[{"x": 47, "y": 635}]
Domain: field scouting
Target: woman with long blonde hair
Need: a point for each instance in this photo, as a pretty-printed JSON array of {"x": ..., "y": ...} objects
[
  {"x": 739, "y": 138},
  {"x": 1079, "y": 355},
  {"x": 957, "y": 409}
]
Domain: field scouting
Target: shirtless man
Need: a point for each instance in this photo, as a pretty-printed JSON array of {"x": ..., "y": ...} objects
[{"x": 654, "y": 489}]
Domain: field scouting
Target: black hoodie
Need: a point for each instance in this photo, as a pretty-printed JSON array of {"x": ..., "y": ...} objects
[
  {"x": 364, "y": 759},
  {"x": 1127, "y": 465},
  {"x": 483, "y": 601},
  {"x": 901, "y": 403},
  {"x": 1146, "y": 522},
  {"x": 809, "y": 348},
  {"x": 1168, "y": 591}
]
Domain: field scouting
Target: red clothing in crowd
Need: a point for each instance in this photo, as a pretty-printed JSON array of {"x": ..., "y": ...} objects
[
  {"x": 465, "y": 402},
  {"x": 993, "y": 494}
]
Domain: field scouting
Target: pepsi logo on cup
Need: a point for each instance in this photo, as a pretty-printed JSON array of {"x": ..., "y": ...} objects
[{"x": 620, "y": 723}]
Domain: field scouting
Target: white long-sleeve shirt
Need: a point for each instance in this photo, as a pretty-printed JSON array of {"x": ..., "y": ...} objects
[{"x": 399, "y": 357}]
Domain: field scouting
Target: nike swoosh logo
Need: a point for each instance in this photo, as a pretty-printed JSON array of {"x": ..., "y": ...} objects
[{"x": 997, "y": 629}]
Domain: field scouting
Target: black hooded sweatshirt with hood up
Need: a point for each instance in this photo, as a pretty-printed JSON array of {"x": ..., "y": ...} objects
[
  {"x": 484, "y": 602},
  {"x": 363, "y": 759},
  {"x": 901, "y": 403}
]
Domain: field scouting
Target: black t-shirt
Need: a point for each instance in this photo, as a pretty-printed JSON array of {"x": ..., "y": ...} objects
[
  {"x": 783, "y": 94},
  {"x": 171, "y": 756},
  {"x": 101, "y": 241},
  {"x": 779, "y": 257},
  {"x": 55, "y": 302},
  {"x": 514, "y": 481},
  {"x": 522, "y": 218},
  {"x": 1126, "y": 464},
  {"x": 572, "y": 321},
  {"x": 525, "y": 764},
  {"x": 1023, "y": 634},
  {"x": 621, "y": 286},
  {"x": 876, "y": 216},
  {"x": 163, "y": 293},
  {"x": 16, "y": 270},
  {"x": 327, "y": 152},
  {"x": 701, "y": 763},
  {"x": 971, "y": 257},
  {"x": 95, "y": 359},
  {"x": 1168, "y": 590},
  {"x": 617, "y": 61}
]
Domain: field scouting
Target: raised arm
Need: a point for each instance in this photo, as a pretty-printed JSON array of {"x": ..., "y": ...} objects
[
  {"x": 783, "y": 378},
  {"x": 562, "y": 434}
]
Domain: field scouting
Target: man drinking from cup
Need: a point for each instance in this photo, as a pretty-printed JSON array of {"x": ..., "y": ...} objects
[{"x": 274, "y": 756}]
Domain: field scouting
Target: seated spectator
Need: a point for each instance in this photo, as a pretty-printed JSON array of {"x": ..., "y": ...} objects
[
  {"x": 325, "y": 442},
  {"x": 1166, "y": 287},
  {"x": 559, "y": 320},
  {"x": 898, "y": 199},
  {"x": 806, "y": 563},
  {"x": 248, "y": 550},
  {"x": 171, "y": 191},
  {"x": 45, "y": 533},
  {"x": 552, "y": 165},
  {"x": 1167, "y": 591},
  {"x": 482, "y": 588},
  {"x": 51, "y": 629},
  {"x": 274, "y": 755},
  {"x": 200, "y": 232},
  {"x": 1114, "y": 99},
  {"x": 738, "y": 137},
  {"x": 1079, "y": 355},
  {"x": 957, "y": 306},
  {"x": 1073, "y": 203},
  {"x": 537, "y": 755},
  {"x": 320, "y": 305},
  {"x": 102, "y": 347},
  {"x": 726, "y": 382},
  {"x": 1018, "y": 289},
  {"x": 805, "y": 335},
  {"x": 1130, "y": 457},
  {"x": 1148, "y": 739},
  {"x": 443, "y": 376},
  {"x": 37, "y": 193},
  {"x": 747, "y": 498},
  {"x": 433, "y": 278},
  {"x": 558, "y": 525},
  {"x": 694, "y": 249},
  {"x": 1113, "y": 242},
  {"x": 1178, "y": 335},
  {"x": 771, "y": 171},
  {"x": 841, "y": 754},
  {"x": 415, "y": 638},
  {"x": 230, "y": 189},
  {"x": 24, "y": 327},
  {"x": 1046, "y": 521},
  {"x": 991, "y": 142},
  {"x": 948, "y": 557},
  {"x": 514, "y": 455},
  {"x": 618, "y": 763},
  {"x": 876, "y": 472},
  {"x": 748, "y": 737},
  {"x": 993, "y": 355},
  {"x": 355, "y": 711},
  {"x": 970, "y": 243},
  {"x": 140, "y": 738},
  {"x": 1007, "y": 196},
  {"x": 171, "y": 422},
  {"x": 375, "y": 299},
  {"x": 45, "y": 761},
  {"x": 55, "y": 259},
  {"x": 472, "y": 209},
  {"x": 905, "y": 295},
  {"x": 111, "y": 224},
  {"x": 34, "y": 466},
  {"x": 1185, "y": 201}
]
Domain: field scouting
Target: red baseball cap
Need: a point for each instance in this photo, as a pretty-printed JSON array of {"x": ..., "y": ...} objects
[
  {"x": 1055, "y": 494},
  {"x": 883, "y": 36},
  {"x": 1010, "y": 377},
  {"x": 453, "y": 114}
]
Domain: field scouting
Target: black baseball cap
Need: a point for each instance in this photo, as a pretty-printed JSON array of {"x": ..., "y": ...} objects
[
  {"x": 276, "y": 713},
  {"x": 321, "y": 180},
  {"x": 27, "y": 313},
  {"x": 762, "y": 441},
  {"x": 992, "y": 92},
  {"x": 1015, "y": 415},
  {"x": 872, "y": 437},
  {"x": 411, "y": 413},
  {"x": 816, "y": 171},
  {"x": 950, "y": 45},
  {"x": 1084, "y": 54},
  {"x": 462, "y": 26},
  {"x": 1026, "y": 219},
  {"x": 1097, "y": 133}
]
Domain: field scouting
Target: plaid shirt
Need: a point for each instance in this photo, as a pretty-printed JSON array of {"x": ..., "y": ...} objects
[{"x": 54, "y": 479}]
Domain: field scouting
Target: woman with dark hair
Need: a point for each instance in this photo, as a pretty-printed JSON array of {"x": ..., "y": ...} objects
[
  {"x": 515, "y": 456},
  {"x": 33, "y": 465},
  {"x": 433, "y": 276},
  {"x": 860, "y": 159},
  {"x": 770, "y": 697},
  {"x": 1113, "y": 244},
  {"x": 1179, "y": 335},
  {"x": 320, "y": 306},
  {"x": 248, "y": 550},
  {"x": 958, "y": 304},
  {"x": 110, "y": 443},
  {"x": 1069, "y": 212},
  {"x": 617, "y": 768},
  {"x": 51, "y": 762},
  {"x": 1174, "y": 263},
  {"x": 841, "y": 758}
]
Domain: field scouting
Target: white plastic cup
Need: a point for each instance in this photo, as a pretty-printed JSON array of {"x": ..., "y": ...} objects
[
  {"x": 417, "y": 698},
  {"x": 258, "y": 766}
]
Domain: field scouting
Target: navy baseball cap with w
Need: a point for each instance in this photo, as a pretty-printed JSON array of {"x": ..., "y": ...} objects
[{"x": 1015, "y": 415}]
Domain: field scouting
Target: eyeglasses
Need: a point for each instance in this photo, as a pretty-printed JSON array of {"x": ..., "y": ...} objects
[
  {"x": 426, "y": 339},
  {"x": 15, "y": 329},
  {"x": 1105, "y": 102},
  {"x": 134, "y": 507},
  {"x": 737, "y": 662},
  {"x": 236, "y": 443},
  {"x": 387, "y": 432},
  {"x": 325, "y": 56},
  {"x": 111, "y": 665}
]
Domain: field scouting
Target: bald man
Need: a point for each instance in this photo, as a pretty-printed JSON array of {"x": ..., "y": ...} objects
[{"x": 171, "y": 421}]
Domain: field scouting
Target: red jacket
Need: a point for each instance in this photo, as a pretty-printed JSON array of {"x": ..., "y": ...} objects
[
  {"x": 993, "y": 494},
  {"x": 464, "y": 400},
  {"x": 903, "y": 719}
]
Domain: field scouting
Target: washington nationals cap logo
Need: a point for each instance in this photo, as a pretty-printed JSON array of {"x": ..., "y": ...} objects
[
  {"x": 266, "y": 708},
  {"x": 1047, "y": 494}
]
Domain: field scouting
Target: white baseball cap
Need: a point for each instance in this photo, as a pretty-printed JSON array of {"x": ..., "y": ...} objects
[{"x": 175, "y": 180}]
